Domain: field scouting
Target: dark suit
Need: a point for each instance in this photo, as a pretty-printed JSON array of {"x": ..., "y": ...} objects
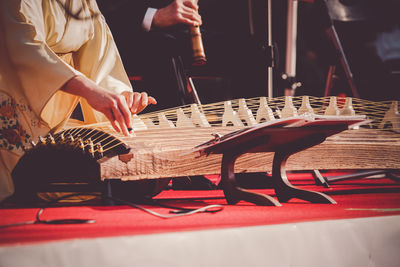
[
  {"x": 128, "y": 13},
  {"x": 155, "y": 55},
  {"x": 231, "y": 52}
]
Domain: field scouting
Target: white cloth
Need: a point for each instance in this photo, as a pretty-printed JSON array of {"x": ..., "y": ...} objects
[{"x": 33, "y": 35}]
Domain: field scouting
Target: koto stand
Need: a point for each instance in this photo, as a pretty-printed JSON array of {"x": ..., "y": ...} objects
[{"x": 284, "y": 141}]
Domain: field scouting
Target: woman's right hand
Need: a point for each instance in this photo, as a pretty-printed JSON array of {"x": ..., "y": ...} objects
[{"x": 114, "y": 106}]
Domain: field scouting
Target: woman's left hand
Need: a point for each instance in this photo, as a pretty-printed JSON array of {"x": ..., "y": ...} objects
[{"x": 138, "y": 101}]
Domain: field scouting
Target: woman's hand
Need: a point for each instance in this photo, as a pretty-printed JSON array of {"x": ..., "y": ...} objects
[
  {"x": 116, "y": 107},
  {"x": 138, "y": 101}
]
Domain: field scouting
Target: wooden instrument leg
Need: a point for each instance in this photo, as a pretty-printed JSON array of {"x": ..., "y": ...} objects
[
  {"x": 283, "y": 188},
  {"x": 233, "y": 193}
]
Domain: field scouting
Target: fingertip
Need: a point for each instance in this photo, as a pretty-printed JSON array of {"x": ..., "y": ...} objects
[
  {"x": 116, "y": 128},
  {"x": 130, "y": 100},
  {"x": 125, "y": 131}
]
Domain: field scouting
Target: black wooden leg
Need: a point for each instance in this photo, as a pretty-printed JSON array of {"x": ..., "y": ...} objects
[
  {"x": 233, "y": 193},
  {"x": 285, "y": 190}
]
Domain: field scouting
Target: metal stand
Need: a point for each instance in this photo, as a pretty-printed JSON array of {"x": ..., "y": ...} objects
[
  {"x": 291, "y": 49},
  {"x": 270, "y": 67},
  {"x": 322, "y": 180},
  {"x": 319, "y": 179},
  {"x": 291, "y": 46},
  {"x": 268, "y": 48},
  {"x": 334, "y": 38},
  {"x": 291, "y": 38},
  {"x": 187, "y": 90}
]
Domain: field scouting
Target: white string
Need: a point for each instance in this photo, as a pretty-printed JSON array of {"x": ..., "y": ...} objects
[{"x": 375, "y": 111}]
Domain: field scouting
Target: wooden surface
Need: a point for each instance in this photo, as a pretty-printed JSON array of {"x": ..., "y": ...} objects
[{"x": 163, "y": 153}]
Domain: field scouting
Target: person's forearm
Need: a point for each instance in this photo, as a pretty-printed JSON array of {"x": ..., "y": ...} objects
[
  {"x": 116, "y": 107},
  {"x": 79, "y": 86},
  {"x": 112, "y": 105}
]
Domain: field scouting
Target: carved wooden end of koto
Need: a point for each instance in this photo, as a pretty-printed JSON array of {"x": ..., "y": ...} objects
[
  {"x": 69, "y": 162},
  {"x": 284, "y": 141}
]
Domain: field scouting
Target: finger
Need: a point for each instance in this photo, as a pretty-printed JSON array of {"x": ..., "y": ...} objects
[
  {"x": 191, "y": 4},
  {"x": 120, "y": 119},
  {"x": 115, "y": 126},
  {"x": 143, "y": 102},
  {"x": 145, "y": 99},
  {"x": 189, "y": 22},
  {"x": 190, "y": 12},
  {"x": 188, "y": 9},
  {"x": 190, "y": 18},
  {"x": 135, "y": 102},
  {"x": 126, "y": 113},
  {"x": 111, "y": 118},
  {"x": 152, "y": 100},
  {"x": 129, "y": 98},
  {"x": 195, "y": 19}
]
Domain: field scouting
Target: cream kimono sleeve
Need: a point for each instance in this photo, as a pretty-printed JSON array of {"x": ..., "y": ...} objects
[
  {"x": 30, "y": 74},
  {"x": 100, "y": 61},
  {"x": 38, "y": 73}
]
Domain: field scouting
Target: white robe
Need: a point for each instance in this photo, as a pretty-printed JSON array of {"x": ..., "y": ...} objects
[{"x": 34, "y": 37}]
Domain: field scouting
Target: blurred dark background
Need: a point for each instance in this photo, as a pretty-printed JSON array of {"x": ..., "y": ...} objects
[{"x": 237, "y": 59}]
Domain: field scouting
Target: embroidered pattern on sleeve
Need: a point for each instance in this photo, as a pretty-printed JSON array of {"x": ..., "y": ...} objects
[{"x": 12, "y": 135}]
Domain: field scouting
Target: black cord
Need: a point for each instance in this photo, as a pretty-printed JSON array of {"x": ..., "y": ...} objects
[
  {"x": 182, "y": 210},
  {"x": 16, "y": 224},
  {"x": 178, "y": 211},
  {"x": 63, "y": 221},
  {"x": 55, "y": 221}
]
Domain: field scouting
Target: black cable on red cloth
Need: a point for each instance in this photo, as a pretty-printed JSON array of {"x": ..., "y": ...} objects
[{"x": 175, "y": 212}]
